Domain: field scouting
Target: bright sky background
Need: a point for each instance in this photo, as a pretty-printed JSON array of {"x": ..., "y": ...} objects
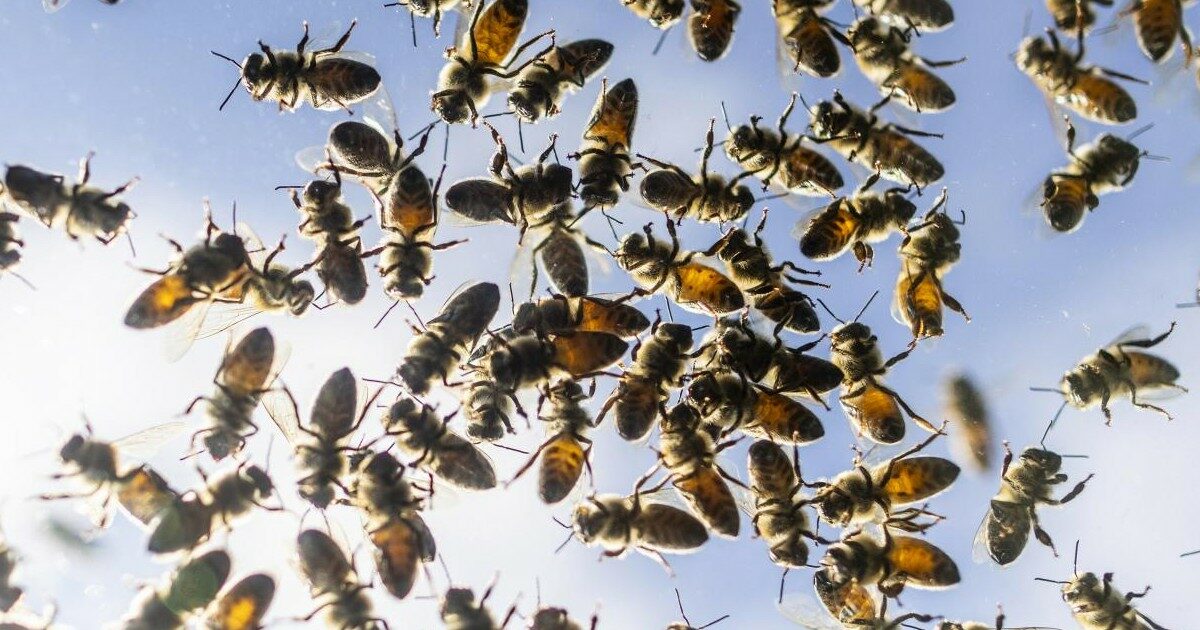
[{"x": 135, "y": 82}]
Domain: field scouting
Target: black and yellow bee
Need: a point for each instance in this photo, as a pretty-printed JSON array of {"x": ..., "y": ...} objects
[
  {"x": 807, "y": 38},
  {"x": 604, "y": 163},
  {"x": 781, "y": 159},
  {"x": 884, "y": 56},
  {"x": 710, "y": 27},
  {"x": 1086, "y": 90},
  {"x": 658, "y": 266}
]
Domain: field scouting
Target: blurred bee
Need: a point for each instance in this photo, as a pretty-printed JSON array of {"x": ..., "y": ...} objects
[
  {"x": 749, "y": 266},
  {"x": 186, "y": 591},
  {"x": 486, "y": 50},
  {"x": 248, "y": 369},
  {"x": 1096, "y": 604},
  {"x": 243, "y": 605},
  {"x": 10, "y": 244},
  {"x": 333, "y": 581},
  {"x": 886, "y": 148},
  {"x": 1066, "y": 12},
  {"x": 710, "y": 27},
  {"x": 658, "y": 367},
  {"x": 897, "y": 562},
  {"x": 1157, "y": 23},
  {"x": 436, "y": 352},
  {"x": 420, "y": 431},
  {"x": 729, "y": 402},
  {"x": 965, "y": 407},
  {"x": 567, "y": 448},
  {"x": 778, "y": 513},
  {"x": 780, "y": 158},
  {"x": 560, "y": 314},
  {"x": 1024, "y": 486},
  {"x": 604, "y": 163},
  {"x": 884, "y": 56},
  {"x": 540, "y": 88},
  {"x": 1108, "y": 164},
  {"x": 460, "y": 611},
  {"x": 806, "y": 38},
  {"x": 555, "y": 618},
  {"x": 79, "y": 209},
  {"x": 928, "y": 16},
  {"x": 10, "y": 594},
  {"x": 854, "y": 222},
  {"x": 662, "y": 14},
  {"x": 657, "y": 266},
  {"x": 864, "y": 495},
  {"x": 327, "y": 78},
  {"x": 686, "y": 624},
  {"x": 704, "y": 197},
  {"x": 340, "y": 268},
  {"x": 1085, "y": 90},
  {"x": 190, "y": 519},
  {"x": 927, "y": 252},
  {"x": 689, "y": 455},
  {"x": 428, "y": 9},
  {"x": 529, "y": 359},
  {"x": 488, "y": 407},
  {"x": 53, "y": 5}
]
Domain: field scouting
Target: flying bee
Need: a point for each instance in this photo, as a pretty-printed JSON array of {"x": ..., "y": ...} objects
[
  {"x": 966, "y": 408},
  {"x": 806, "y": 38},
  {"x": 9, "y": 593},
  {"x": 79, "y": 209},
  {"x": 730, "y": 402},
  {"x": 662, "y": 14},
  {"x": 1157, "y": 23},
  {"x": 333, "y": 581},
  {"x": 863, "y": 495},
  {"x": 365, "y": 153},
  {"x": 243, "y": 605},
  {"x": 326, "y": 79},
  {"x": 659, "y": 363},
  {"x": 1012, "y": 513},
  {"x": 1096, "y": 604},
  {"x": 1065, "y": 12},
  {"x": 604, "y": 163},
  {"x": 884, "y": 56},
  {"x": 436, "y": 352},
  {"x": 927, "y": 252},
  {"x": 486, "y": 50},
  {"x": 657, "y": 266},
  {"x": 567, "y": 449},
  {"x": 898, "y": 562},
  {"x": 420, "y": 431},
  {"x": 704, "y": 197},
  {"x": 560, "y": 314},
  {"x": 781, "y": 159},
  {"x": 460, "y": 611},
  {"x": 854, "y": 222},
  {"x": 1086, "y": 90},
  {"x": 191, "y": 518},
  {"x": 559, "y": 252},
  {"x": 860, "y": 137},
  {"x": 1107, "y": 164},
  {"x": 187, "y": 590},
  {"x": 539, "y": 89},
  {"x": 689, "y": 455},
  {"x": 778, "y": 513},
  {"x": 735, "y": 346},
  {"x": 710, "y": 27},
  {"x": 529, "y": 359},
  {"x": 929, "y": 16},
  {"x": 555, "y": 618}
]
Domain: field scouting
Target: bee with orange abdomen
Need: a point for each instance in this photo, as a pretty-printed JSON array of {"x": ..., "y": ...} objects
[
  {"x": 886, "y": 148},
  {"x": 779, "y": 515},
  {"x": 567, "y": 448},
  {"x": 1107, "y": 164},
  {"x": 539, "y": 90},
  {"x": 966, "y": 409},
  {"x": 79, "y": 209},
  {"x": 662, "y": 14},
  {"x": 420, "y": 431},
  {"x": 485, "y": 52},
  {"x": 334, "y": 582},
  {"x": 854, "y": 222},
  {"x": 192, "y": 517},
  {"x": 927, "y": 252},
  {"x": 851, "y": 603},
  {"x": 560, "y": 314},
  {"x": 884, "y": 56},
  {"x": 1065, "y": 12},
  {"x": 807, "y": 38},
  {"x": 436, "y": 352},
  {"x": 928, "y": 16},
  {"x": 710, "y": 27},
  {"x": 897, "y": 562},
  {"x": 781, "y": 159},
  {"x": 1096, "y": 604},
  {"x": 1121, "y": 369},
  {"x": 1157, "y": 24},
  {"x": 689, "y": 454},
  {"x": 529, "y": 359},
  {"x": 243, "y": 605},
  {"x": 604, "y": 163},
  {"x": 186, "y": 591},
  {"x": 659, "y": 363},
  {"x": 728, "y": 401},
  {"x": 703, "y": 197},
  {"x": 1086, "y": 90},
  {"x": 661, "y": 267}
]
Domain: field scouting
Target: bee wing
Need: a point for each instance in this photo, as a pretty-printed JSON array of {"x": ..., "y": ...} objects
[
  {"x": 145, "y": 443},
  {"x": 223, "y": 316},
  {"x": 181, "y": 334},
  {"x": 744, "y": 499},
  {"x": 806, "y": 611},
  {"x": 309, "y": 158},
  {"x": 1133, "y": 333},
  {"x": 992, "y": 535},
  {"x": 144, "y": 494},
  {"x": 520, "y": 269},
  {"x": 283, "y": 412},
  {"x": 379, "y": 111}
]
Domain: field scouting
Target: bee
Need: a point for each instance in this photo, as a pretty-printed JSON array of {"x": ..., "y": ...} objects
[
  {"x": 704, "y": 197},
  {"x": 898, "y": 562},
  {"x": 437, "y": 351},
  {"x": 556, "y": 618},
  {"x": 749, "y": 266},
  {"x": 926, "y": 254},
  {"x": 662, "y": 14},
  {"x": 559, "y": 250},
  {"x": 488, "y": 407},
  {"x": 1096, "y": 604},
  {"x": 778, "y": 513},
  {"x": 567, "y": 448},
  {"x": 780, "y": 158},
  {"x": 243, "y": 605},
  {"x": 428, "y": 9},
  {"x": 186, "y": 591},
  {"x": 735, "y": 346},
  {"x": 928, "y": 16},
  {"x": 275, "y": 287},
  {"x": 849, "y": 602},
  {"x": 1085, "y": 90},
  {"x": 619, "y": 524},
  {"x": 604, "y": 163},
  {"x": 1108, "y": 164},
  {"x": 1157, "y": 23},
  {"x": 10, "y": 594},
  {"x": 657, "y": 266},
  {"x": 528, "y": 359},
  {"x": 730, "y": 402},
  {"x": 710, "y": 27},
  {"x": 794, "y": 372},
  {"x": 1013, "y": 511},
  {"x": 420, "y": 431},
  {"x": 689, "y": 455},
  {"x": 540, "y": 88},
  {"x": 460, "y": 611},
  {"x": 248, "y": 369},
  {"x": 333, "y": 581},
  {"x": 806, "y": 38},
  {"x": 340, "y": 268},
  {"x": 10, "y": 243},
  {"x": 854, "y": 222},
  {"x": 365, "y": 153},
  {"x": 144, "y": 494},
  {"x": 859, "y": 137},
  {"x": 1118, "y": 370},
  {"x": 560, "y": 314},
  {"x": 687, "y": 624},
  {"x": 190, "y": 519},
  {"x": 326, "y": 79},
  {"x": 966, "y": 408},
  {"x": 863, "y": 495},
  {"x": 884, "y": 56},
  {"x": 54, "y": 5},
  {"x": 659, "y": 363},
  {"x": 1066, "y": 12},
  {"x": 486, "y": 50},
  {"x": 79, "y": 209}
]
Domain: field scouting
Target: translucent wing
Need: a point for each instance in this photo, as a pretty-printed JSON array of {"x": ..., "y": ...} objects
[
  {"x": 309, "y": 158},
  {"x": 520, "y": 270},
  {"x": 281, "y": 407},
  {"x": 1133, "y": 333},
  {"x": 805, "y": 610},
  {"x": 979, "y": 546},
  {"x": 223, "y": 316},
  {"x": 379, "y": 111},
  {"x": 145, "y": 443},
  {"x": 744, "y": 498},
  {"x": 179, "y": 335}
]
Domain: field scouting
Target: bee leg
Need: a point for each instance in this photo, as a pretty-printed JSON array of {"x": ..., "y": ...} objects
[
  {"x": 942, "y": 64},
  {"x": 914, "y": 132},
  {"x": 952, "y": 303},
  {"x": 1040, "y": 533},
  {"x": 1148, "y": 343},
  {"x": 656, "y": 556},
  {"x": 337, "y": 47},
  {"x": 1122, "y": 75},
  {"x": 1073, "y": 493},
  {"x": 921, "y": 422}
]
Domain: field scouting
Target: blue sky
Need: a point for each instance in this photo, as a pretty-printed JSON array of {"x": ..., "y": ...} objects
[{"x": 136, "y": 84}]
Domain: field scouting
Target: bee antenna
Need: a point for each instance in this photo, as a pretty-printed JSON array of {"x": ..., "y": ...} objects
[
  {"x": 1190, "y": 553},
  {"x": 231, "y": 92},
  {"x": 445, "y": 569},
  {"x": 564, "y": 543},
  {"x": 804, "y": 102},
  {"x": 824, "y": 306},
  {"x": 1046, "y": 389},
  {"x": 1042, "y": 579},
  {"x": 864, "y": 308},
  {"x": 1139, "y": 132},
  {"x": 725, "y": 115},
  {"x": 1075, "y": 559},
  {"x": 1053, "y": 420},
  {"x": 715, "y": 622},
  {"x": 679, "y": 600},
  {"x": 232, "y": 61}
]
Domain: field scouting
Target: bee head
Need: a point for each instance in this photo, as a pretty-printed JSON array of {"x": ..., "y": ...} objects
[
  {"x": 379, "y": 465},
  {"x": 222, "y": 444},
  {"x": 259, "y": 481},
  {"x": 587, "y": 520},
  {"x": 1080, "y": 386},
  {"x": 256, "y": 72},
  {"x": 836, "y": 508},
  {"x": 9, "y": 258},
  {"x": 837, "y": 565},
  {"x": 740, "y": 200},
  {"x": 825, "y": 120},
  {"x": 550, "y": 617},
  {"x": 1081, "y": 590},
  {"x": 524, "y": 105},
  {"x": 682, "y": 418},
  {"x": 1033, "y": 53},
  {"x": 321, "y": 193},
  {"x": 742, "y": 140},
  {"x": 791, "y": 554},
  {"x": 405, "y": 287},
  {"x": 422, "y": 8},
  {"x": 633, "y": 246},
  {"x": 1048, "y": 461},
  {"x": 867, "y": 33},
  {"x": 457, "y": 600},
  {"x": 664, "y": 14},
  {"x": 301, "y": 296},
  {"x": 1124, "y": 155},
  {"x": 319, "y": 494},
  {"x": 452, "y": 106},
  {"x": 677, "y": 335},
  {"x": 853, "y": 332},
  {"x": 558, "y": 179},
  {"x": 72, "y": 449}
]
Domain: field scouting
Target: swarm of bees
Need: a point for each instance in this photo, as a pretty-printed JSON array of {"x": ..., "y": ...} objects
[{"x": 753, "y": 370}]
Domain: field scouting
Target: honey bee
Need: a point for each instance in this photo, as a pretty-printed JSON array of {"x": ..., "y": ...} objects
[
  {"x": 1108, "y": 164},
  {"x": 687, "y": 624},
  {"x": 540, "y": 88},
  {"x": 437, "y": 351},
  {"x": 749, "y": 266},
  {"x": 488, "y": 407},
  {"x": 10, "y": 594},
  {"x": 326, "y": 79},
  {"x": 333, "y": 581},
  {"x": 407, "y": 250},
  {"x": 604, "y": 163},
  {"x": 54, "y": 5},
  {"x": 1095, "y": 604},
  {"x": 662, "y": 14},
  {"x": 460, "y": 611},
  {"x": 929, "y": 16},
  {"x": 730, "y": 402},
  {"x": 659, "y": 363},
  {"x": 964, "y": 405},
  {"x": 247, "y": 371},
  {"x": 884, "y": 56},
  {"x": 186, "y": 591},
  {"x": 190, "y": 519},
  {"x": 144, "y": 494},
  {"x": 365, "y": 153},
  {"x": 554, "y": 618},
  {"x": 1066, "y": 12},
  {"x": 927, "y": 252},
  {"x": 486, "y": 50},
  {"x": 10, "y": 244},
  {"x": 735, "y": 346},
  {"x": 898, "y": 562},
  {"x": 657, "y": 266},
  {"x": 560, "y": 314},
  {"x": 806, "y": 38},
  {"x": 243, "y": 605},
  {"x": 859, "y": 137},
  {"x": 420, "y": 431},
  {"x": 428, "y": 9},
  {"x": 567, "y": 448},
  {"x": 778, "y": 513},
  {"x": 710, "y": 27},
  {"x": 689, "y": 456},
  {"x": 704, "y": 197},
  {"x": 1157, "y": 23},
  {"x": 79, "y": 209},
  {"x": 1024, "y": 486},
  {"x": 1086, "y": 90},
  {"x": 854, "y": 222},
  {"x": 780, "y": 158},
  {"x": 529, "y": 359},
  {"x": 864, "y": 495},
  {"x": 849, "y": 602},
  {"x": 559, "y": 251},
  {"x": 792, "y": 371}
]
